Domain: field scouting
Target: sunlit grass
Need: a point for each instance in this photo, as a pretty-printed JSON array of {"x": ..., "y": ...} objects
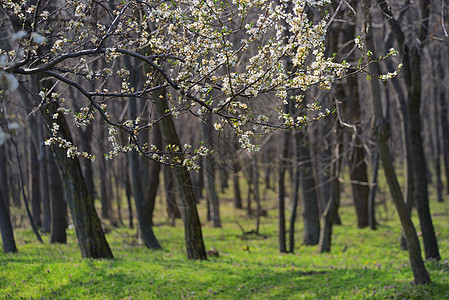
[{"x": 362, "y": 264}]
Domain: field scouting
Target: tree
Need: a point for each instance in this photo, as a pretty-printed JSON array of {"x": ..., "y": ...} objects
[
  {"x": 209, "y": 170},
  {"x": 412, "y": 70},
  {"x": 381, "y": 133},
  {"x": 9, "y": 244},
  {"x": 58, "y": 205},
  {"x": 89, "y": 233}
]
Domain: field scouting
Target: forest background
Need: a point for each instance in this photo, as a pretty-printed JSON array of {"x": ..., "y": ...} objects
[{"x": 342, "y": 142}]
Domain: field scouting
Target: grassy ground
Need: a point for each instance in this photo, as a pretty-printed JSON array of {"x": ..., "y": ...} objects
[{"x": 363, "y": 264}]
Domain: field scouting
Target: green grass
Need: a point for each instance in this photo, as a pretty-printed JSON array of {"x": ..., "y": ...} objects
[{"x": 363, "y": 264}]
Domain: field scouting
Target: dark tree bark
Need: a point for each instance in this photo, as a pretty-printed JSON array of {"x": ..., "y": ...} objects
[
  {"x": 380, "y": 127},
  {"x": 4, "y": 175},
  {"x": 445, "y": 135},
  {"x": 296, "y": 183},
  {"x": 401, "y": 104},
  {"x": 444, "y": 120},
  {"x": 143, "y": 206},
  {"x": 333, "y": 204},
  {"x": 170, "y": 195},
  {"x": 224, "y": 174},
  {"x": 435, "y": 127},
  {"x": 372, "y": 193},
  {"x": 128, "y": 195},
  {"x": 105, "y": 189},
  {"x": 255, "y": 175},
  {"x": 419, "y": 166},
  {"x": 236, "y": 184},
  {"x": 153, "y": 179},
  {"x": 310, "y": 211},
  {"x": 192, "y": 225},
  {"x": 58, "y": 205},
  {"x": 352, "y": 113},
  {"x": 22, "y": 188},
  {"x": 105, "y": 179},
  {"x": 282, "y": 192},
  {"x": 86, "y": 135},
  {"x": 44, "y": 188},
  {"x": 9, "y": 244},
  {"x": 35, "y": 186},
  {"x": 118, "y": 180},
  {"x": 89, "y": 233},
  {"x": 209, "y": 170},
  {"x": 412, "y": 69}
]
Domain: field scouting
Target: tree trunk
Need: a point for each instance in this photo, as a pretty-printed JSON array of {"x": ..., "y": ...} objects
[
  {"x": 105, "y": 191},
  {"x": 209, "y": 169},
  {"x": 35, "y": 186},
  {"x": 58, "y": 205},
  {"x": 419, "y": 165},
  {"x": 352, "y": 112},
  {"x": 412, "y": 71},
  {"x": 372, "y": 193},
  {"x": 333, "y": 204},
  {"x": 445, "y": 135},
  {"x": 89, "y": 233},
  {"x": 118, "y": 180},
  {"x": 88, "y": 171},
  {"x": 143, "y": 206},
  {"x": 105, "y": 187},
  {"x": 170, "y": 196},
  {"x": 44, "y": 188},
  {"x": 154, "y": 168},
  {"x": 282, "y": 192},
  {"x": 255, "y": 175},
  {"x": 192, "y": 225},
  {"x": 401, "y": 104},
  {"x": 4, "y": 176},
  {"x": 9, "y": 244},
  {"x": 296, "y": 182},
  {"x": 420, "y": 274},
  {"x": 310, "y": 211},
  {"x": 128, "y": 194},
  {"x": 437, "y": 145},
  {"x": 236, "y": 184}
]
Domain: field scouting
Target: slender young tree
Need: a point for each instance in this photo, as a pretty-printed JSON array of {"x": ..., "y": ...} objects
[
  {"x": 412, "y": 70},
  {"x": 380, "y": 128},
  {"x": 282, "y": 189}
]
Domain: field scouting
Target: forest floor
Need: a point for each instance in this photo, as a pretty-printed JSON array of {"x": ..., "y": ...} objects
[{"x": 363, "y": 264}]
